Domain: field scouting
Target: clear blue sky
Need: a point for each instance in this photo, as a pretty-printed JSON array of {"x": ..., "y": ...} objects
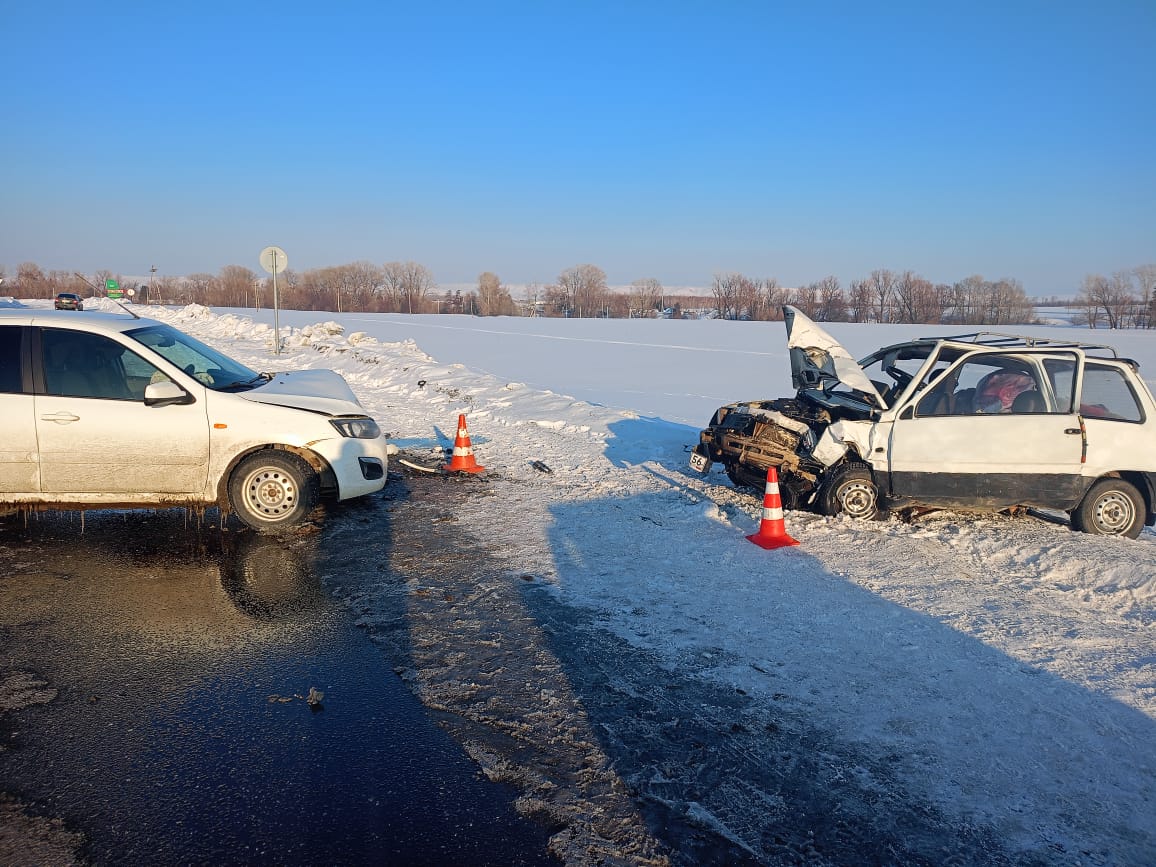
[{"x": 666, "y": 139}]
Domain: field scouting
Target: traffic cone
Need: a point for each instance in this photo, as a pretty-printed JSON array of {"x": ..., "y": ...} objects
[
  {"x": 463, "y": 459},
  {"x": 773, "y": 529}
]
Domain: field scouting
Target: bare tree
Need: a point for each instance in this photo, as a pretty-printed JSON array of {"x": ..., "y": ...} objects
[
  {"x": 197, "y": 289},
  {"x": 406, "y": 285},
  {"x": 918, "y": 300},
  {"x": 750, "y": 297},
  {"x": 493, "y": 298},
  {"x": 767, "y": 303},
  {"x": 31, "y": 281},
  {"x": 233, "y": 286},
  {"x": 533, "y": 299},
  {"x": 585, "y": 288},
  {"x": 164, "y": 290},
  {"x": 725, "y": 292},
  {"x": 645, "y": 295},
  {"x": 807, "y": 299},
  {"x": 1107, "y": 298},
  {"x": 1146, "y": 287},
  {"x": 882, "y": 283},
  {"x": 966, "y": 300},
  {"x": 860, "y": 301},
  {"x": 1007, "y": 303},
  {"x": 832, "y": 304},
  {"x": 556, "y": 300},
  {"x": 360, "y": 283}
]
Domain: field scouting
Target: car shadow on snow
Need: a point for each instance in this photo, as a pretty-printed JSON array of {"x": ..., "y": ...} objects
[
  {"x": 635, "y": 441},
  {"x": 763, "y": 709}
]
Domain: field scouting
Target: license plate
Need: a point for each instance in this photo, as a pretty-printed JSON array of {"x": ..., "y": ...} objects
[{"x": 699, "y": 462}]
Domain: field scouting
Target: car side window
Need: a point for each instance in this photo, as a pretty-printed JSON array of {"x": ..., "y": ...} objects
[
  {"x": 11, "y": 380},
  {"x": 1108, "y": 394},
  {"x": 77, "y": 364},
  {"x": 988, "y": 385}
]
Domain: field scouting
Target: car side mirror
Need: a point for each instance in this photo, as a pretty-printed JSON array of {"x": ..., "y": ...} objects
[{"x": 165, "y": 393}]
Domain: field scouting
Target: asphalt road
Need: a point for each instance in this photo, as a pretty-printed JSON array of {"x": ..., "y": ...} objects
[{"x": 155, "y": 673}]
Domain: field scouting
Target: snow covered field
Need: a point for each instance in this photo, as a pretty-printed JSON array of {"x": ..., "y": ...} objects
[{"x": 1003, "y": 669}]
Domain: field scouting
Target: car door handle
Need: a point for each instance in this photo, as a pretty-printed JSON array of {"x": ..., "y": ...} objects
[
  {"x": 61, "y": 417},
  {"x": 1074, "y": 431}
]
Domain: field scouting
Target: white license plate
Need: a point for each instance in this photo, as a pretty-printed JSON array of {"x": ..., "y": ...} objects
[{"x": 699, "y": 462}]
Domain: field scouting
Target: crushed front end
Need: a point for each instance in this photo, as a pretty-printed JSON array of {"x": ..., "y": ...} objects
[{"x": 749, "y": 437}]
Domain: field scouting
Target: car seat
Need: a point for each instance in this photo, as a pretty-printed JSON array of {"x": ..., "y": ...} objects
[
  {"x": 1028, "y": 401},
  {"x": 66, "y": 369},
  {"x": 107, "y": 379},
  {"x": 963, "y": 402}
]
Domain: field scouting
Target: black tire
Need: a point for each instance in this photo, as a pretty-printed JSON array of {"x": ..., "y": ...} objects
[
  {"x": 1112, "y": 507},
  {"x": 273, "y": 490},
  {"x": 850, "y": 490},
  {"x": 747, "y": 477},
  {"x": 755, "y": 481}
]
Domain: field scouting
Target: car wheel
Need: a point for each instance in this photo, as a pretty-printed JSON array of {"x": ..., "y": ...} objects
[
  {"x": 851, "y": 490},
  {"x": 755, "y": 481},
  {"x": 746, "y": 477},
  {"x": 272, "y": 490},
  {"x": 1112, "y": 507}
]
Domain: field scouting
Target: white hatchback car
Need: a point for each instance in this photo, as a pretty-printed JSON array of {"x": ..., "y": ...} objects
[
  {"x": 972, "y": 421},
  {"x": 112, "y": 410}
]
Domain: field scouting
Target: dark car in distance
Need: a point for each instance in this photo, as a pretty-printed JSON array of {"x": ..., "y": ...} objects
[{"x": 68, "y": 301}]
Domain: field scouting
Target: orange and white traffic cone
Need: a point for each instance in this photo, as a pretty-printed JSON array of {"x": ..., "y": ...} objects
[
  {"x": 463, "y": 459},
  {"x": 773, "y": 529}
]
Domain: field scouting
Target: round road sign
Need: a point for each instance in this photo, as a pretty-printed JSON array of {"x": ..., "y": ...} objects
[{"x": 273, "y": 260}]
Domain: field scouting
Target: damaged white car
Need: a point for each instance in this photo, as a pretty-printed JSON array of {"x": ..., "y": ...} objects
[{"x": 975, "y": 421}]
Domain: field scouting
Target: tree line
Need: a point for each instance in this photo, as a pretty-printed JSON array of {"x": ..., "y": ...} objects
[{"x": 1126, "y": 299}]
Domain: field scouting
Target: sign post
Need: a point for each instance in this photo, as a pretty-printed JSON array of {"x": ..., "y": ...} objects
[{"x": 273, "y": 260}]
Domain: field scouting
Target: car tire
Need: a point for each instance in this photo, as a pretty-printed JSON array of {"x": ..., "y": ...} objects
[
  {"x": 273, "y": 490},
  {"x": 746, "y": 477},
  {"x": 850, "y": 490},
  {"x": 1112, "y": 507},
  {"x": 755, "y": 481}
]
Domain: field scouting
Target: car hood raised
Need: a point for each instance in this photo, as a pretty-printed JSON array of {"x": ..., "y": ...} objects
[
  {"x": 318, "y": 390},
  {"x": 819, "y": 361}
]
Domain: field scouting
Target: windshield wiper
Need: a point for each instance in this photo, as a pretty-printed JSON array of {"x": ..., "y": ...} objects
[{"x": 246, "y": 383}]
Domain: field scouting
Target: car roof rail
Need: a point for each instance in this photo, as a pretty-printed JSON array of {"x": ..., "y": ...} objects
[{"x": 1002, "y": 340}]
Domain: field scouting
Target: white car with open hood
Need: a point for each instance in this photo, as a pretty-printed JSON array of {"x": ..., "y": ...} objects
[
  {"x": 109, "y": 410},
  {"x": 975, "y": 421}
]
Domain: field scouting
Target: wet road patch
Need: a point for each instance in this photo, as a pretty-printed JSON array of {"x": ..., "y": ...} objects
[{"x": 164, "y": 642}]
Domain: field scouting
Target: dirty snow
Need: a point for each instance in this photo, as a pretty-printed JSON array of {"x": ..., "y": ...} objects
[{"x": 1005, "y": 668}]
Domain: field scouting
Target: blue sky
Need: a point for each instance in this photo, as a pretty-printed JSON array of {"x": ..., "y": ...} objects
[{"x": 673, "y": 140}]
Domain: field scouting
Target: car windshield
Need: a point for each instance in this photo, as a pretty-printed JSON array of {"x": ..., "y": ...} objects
[
  {"x": 891, "y": 370},
  {"x": 205, "y": 364}
]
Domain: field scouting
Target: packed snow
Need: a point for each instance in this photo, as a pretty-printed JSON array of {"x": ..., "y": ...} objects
[{"x": 1004, "y": 667}]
